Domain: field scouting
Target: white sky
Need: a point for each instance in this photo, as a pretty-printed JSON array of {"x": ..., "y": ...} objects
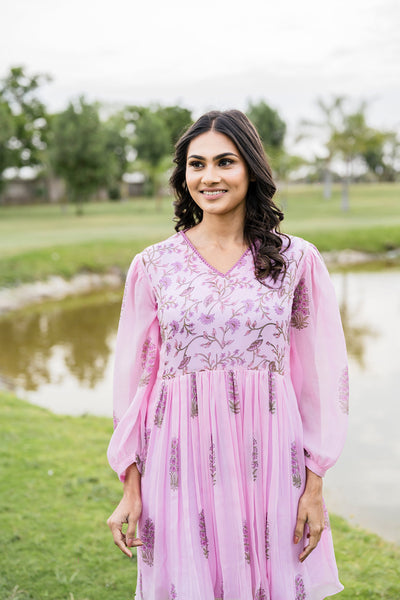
[{"x": 210, "y": 54}]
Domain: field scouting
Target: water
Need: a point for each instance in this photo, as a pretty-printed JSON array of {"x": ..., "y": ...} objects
[{"x": 60, "y": 356}]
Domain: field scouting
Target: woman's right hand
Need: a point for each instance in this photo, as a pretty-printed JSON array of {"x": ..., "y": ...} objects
[{"x": 128, "y": 511}]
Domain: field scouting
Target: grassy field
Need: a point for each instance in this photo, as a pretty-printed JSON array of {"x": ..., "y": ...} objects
[
  {"x": 38, "y": 241},
  {"x": 56, "y": 491}
]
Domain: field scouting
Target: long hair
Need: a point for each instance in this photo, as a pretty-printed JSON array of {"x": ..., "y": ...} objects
[{"x": 262, "y": 216}]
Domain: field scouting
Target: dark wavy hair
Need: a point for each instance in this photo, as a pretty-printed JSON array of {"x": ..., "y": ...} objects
[{"x": 262, "y": 218}]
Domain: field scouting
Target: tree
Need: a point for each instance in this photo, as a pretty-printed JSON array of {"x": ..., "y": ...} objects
[
  {"x": 152, "y": 144},
  {"x": 270, "y": 126},
  {"x": 116, "y": 146},
  {"x": 176, "y": 119},
  {"x": 355, "y": 139},
  {"x": 7, "y": 129},
  {"x": 30, "y": 130},
  {"x": 331, "y": 120},
  {"x": 79, "y": 152}
]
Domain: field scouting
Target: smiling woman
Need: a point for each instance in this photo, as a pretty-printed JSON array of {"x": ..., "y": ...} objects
[{"x": 230, "y": 389}]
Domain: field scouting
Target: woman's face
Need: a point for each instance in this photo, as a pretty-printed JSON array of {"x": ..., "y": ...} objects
[{"x": 216, "y": 175}]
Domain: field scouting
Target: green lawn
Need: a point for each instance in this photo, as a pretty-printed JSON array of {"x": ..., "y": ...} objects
[
  {"x": 38, "y": 241},
  {"x": 56, "y": 491}
]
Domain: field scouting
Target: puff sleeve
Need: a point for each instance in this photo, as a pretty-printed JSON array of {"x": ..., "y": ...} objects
[
  {"x": 135, "y": 369},
  {"x": 318, "y": 364}
]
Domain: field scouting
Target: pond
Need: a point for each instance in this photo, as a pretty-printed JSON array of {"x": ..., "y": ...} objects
[{"x": 60, "y": 356}]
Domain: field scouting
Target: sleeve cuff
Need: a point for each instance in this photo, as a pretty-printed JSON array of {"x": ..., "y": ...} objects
[{"x": 312, "y": 465}]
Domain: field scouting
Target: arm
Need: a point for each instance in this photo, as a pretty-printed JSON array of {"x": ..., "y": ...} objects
[
  {"x": 135, "y": 369},
  {"x": 318, "y": 364}
]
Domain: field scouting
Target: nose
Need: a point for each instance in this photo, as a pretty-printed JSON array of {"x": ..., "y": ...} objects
[{"x": 210, "y": 175}]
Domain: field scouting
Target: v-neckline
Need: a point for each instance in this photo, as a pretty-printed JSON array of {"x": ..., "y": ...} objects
[{"x": 193, "y": 247}]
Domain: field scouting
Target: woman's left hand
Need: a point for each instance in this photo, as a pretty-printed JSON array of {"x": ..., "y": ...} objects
[{"x": 311, "y": 511}]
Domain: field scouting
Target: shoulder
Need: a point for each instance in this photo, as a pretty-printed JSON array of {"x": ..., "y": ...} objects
[{"x": 152, "y": 253}]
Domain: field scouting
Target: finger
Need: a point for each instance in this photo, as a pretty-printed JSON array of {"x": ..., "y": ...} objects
[
  {"x": 119, "y": 540},
  {"x": 315, "y": 536},
  {"x": 299, "y": 530},
  {"x": 131, "y": 539}
]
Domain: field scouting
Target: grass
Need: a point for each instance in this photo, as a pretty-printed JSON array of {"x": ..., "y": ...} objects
[
  {"x": 56, "y": 491},
  {"x": 43, "y": 240}
]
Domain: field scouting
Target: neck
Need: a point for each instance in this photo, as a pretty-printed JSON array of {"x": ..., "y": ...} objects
[{"x": 227, "y": 228}]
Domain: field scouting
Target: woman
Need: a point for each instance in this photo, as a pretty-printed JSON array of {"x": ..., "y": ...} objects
[{"x": 230, "y": 388}]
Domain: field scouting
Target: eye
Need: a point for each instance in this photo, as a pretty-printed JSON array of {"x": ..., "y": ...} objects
[
  {"x": 196, "y": 164},
  {"x": 225, "y": 162}
]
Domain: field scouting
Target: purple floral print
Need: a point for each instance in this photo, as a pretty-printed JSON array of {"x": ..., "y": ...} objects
[
  {"x": 211, "y": 462},
  {"x": 203, "y": 534},
  {"x": 254, "y": 459},
  {"x": 344, "y": 391},
  {"x": 296, "y": 477},
  {"x": 172, "y": 594},
  {"x": 141, "y": 457},
  {"x": 266, "y": 538},
  {"x": 300, "y": 591},
  {"x": 147, "y": 359},
  {"x": 300, "y": 307},
  {"x": 194, "y": 408},
  {"x": 246, "y": 542},
  {"x": 271, "y": 389},
  {"x": 160, "y": 410},
  {"x": 234, "y": 403},
  {"x": 260, "y": 594},
  {"x": 174, "y": 464},
  {"x": 147, "y": 537}
]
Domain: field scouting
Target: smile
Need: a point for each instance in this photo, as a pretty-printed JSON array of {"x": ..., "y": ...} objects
[{"x": 213, "y": 193}]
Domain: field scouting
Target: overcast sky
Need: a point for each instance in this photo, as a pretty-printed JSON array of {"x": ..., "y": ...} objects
[{"x": 210, "y": 54}]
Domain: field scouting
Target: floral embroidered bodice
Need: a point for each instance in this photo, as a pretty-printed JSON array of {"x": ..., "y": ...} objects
[{"x": 210, "y": 320}]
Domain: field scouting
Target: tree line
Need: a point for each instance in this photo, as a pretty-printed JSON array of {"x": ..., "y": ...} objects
[{"x": 89, "y": 150}]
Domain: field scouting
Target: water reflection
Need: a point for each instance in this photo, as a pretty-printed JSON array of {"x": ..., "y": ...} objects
[
  {"x": 77, "y": 334},
  {"x": 358, "y": 333}
]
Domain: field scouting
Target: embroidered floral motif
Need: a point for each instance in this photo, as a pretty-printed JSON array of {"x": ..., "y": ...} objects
[
  {"x": 344, "y": 391},
  {"x": 174, "y": 464},
  {"x": 271, "y": 388},
  {"x": 266, "y": 537},
  {"x": 203, "y": 533},
  {"x": 300, "y": 307},
  {"x": 296, "y": 477},
  {"x": 147, "y": 359},
  {"x": 160, "y": 409},
  {"x": 172, "y": 594},
  {"x": 246, "y": 542},
  {"x": 194, "y": 408},
  {"x": 234, "y": 403},
  {"x": 306, "y": 453},
  {"x": 260, "y": 594},
  {"x": 254, "y": 459},
  {"x": 300, "y": 591},
  {"x": 140, "y": 459},
  {"x": 211, "y": 459},
  {"x": 141, "y": 586},
  {"x": 147, "y": 537}
]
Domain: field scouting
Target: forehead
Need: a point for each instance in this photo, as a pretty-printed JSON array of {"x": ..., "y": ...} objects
[{"x": 211, "y": 144}]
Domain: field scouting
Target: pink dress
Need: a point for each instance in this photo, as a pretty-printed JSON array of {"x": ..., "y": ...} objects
[{"x": 224, "y": 391}]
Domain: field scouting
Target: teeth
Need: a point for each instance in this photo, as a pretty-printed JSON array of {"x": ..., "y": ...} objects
[{"x": 213, "y": 193}]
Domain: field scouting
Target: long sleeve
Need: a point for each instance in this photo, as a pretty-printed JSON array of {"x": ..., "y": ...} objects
[
  {"x": 319, "y": 364},
  {"x": 135, "y": 369}
]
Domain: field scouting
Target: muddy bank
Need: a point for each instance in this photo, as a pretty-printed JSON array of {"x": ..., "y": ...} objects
[{"x": 57, "y": 288}]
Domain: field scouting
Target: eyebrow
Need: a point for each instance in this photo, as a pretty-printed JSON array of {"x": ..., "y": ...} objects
[{"x": 215, "y": 157}]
